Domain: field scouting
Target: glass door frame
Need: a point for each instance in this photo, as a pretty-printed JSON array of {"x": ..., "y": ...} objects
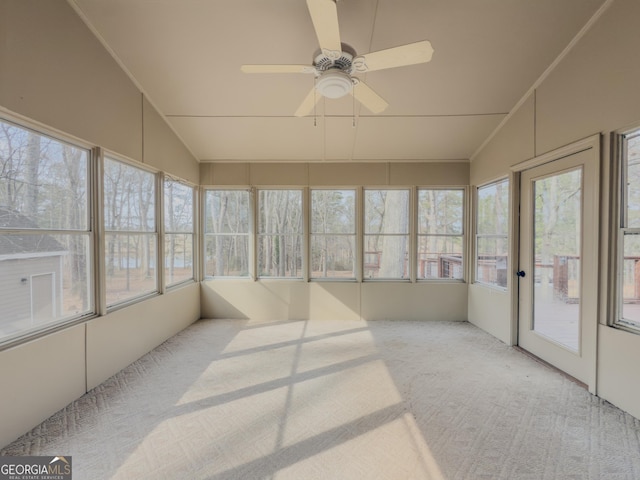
[{"x": 591, "y": 307}]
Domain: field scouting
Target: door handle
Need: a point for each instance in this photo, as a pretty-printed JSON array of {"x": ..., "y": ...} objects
[{"x": 520, "y": 273}]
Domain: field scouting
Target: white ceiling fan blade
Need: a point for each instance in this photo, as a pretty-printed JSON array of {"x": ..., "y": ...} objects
[
  {"x": 308, "y": 103},
  {"x": 277, "y": 69},
  {"x": 370, "y": 99},
  {"x": 410, "y": 54},
  {"x": 324, "y": 16}
]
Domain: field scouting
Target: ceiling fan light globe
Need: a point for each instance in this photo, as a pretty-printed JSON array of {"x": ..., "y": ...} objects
[{"x": 334, "y": 84}]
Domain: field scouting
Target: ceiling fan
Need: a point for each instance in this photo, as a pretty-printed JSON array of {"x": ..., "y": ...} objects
[{"x": 337, "y": 62}]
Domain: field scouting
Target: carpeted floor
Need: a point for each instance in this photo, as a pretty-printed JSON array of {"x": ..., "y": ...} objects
[{"x": 339, "y": 400}]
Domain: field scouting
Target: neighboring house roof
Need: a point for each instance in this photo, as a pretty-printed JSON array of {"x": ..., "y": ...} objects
[{"x": 22, "y": 243}]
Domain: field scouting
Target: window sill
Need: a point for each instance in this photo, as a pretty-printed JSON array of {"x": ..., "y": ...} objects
[
  {"x": 628, "y": 327},
  {"x": 493, "y": 288},
  {"x": 29, "y": 336}
]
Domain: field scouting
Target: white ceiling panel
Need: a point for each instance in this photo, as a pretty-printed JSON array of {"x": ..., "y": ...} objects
[
  {"x": 339, "y": 138},
  {"x": 251, "y": 138},
  {"x": 421, "y": 138},
  {"x": 186, "y": 55}
]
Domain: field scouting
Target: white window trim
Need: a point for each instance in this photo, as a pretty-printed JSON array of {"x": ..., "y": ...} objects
[
  {"x": 476, "y": 235},
  {"x": 158, "y": 221},
  {"x": 308, "y": 221},
  {"x": 194, "y": 236},
  {"x": 251, "y": 233},
  {"x": 463, "y": 235},
  {"x": 25, "y": 123},
  {"x": 620, "y": 144},
  {"x": 411, "y": 278},
  {"x": 306, "y": 214}
]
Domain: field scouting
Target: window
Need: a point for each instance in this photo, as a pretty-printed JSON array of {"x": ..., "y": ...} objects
[
  {"x": 226, "y": 230},
  {"x": 280, "y": 233},
  {"x": 130, "y": 232},
  {"x": 333, "y": 233},
  {"x": 386, "y": 234},
  {"x": 45, "y": 233},
  {"x": 440, "y": 234},
  {"x": 629, "y": 235},
  {"x": 492, "y": 229},
  {"x": 178, "y": 231}
]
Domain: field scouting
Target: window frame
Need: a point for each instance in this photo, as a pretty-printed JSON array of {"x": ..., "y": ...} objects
[
  {"x": 158, "y": 220},
  {"x": 193, "y": 232},
  {"x": 409, "y": 234},
  {"x": 462, "y": 235},
  {"x": 304, "y": 235},
  {"x": 250, "y": 234},
  {"x": 90, "y": 232},
  {"x": 478, "y": 236},
  {"x": 356, "y": 244},
  {"x": 621, "y": 229}
]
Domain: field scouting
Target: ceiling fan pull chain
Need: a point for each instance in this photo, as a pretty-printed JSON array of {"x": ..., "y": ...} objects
[{"x": 353, "y": 110}]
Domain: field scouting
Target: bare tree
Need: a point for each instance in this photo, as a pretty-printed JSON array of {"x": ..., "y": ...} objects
[{"x": 394, "y": 243}]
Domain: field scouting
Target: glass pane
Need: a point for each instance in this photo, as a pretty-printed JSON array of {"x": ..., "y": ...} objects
[
  {"x": 440, "y": 257},
  {"x": 491, "y": 267},
  {"x": 493, "y": 209},
  {"x": 440, "y": 212},
  {"x": 633, "y": 182},
  {"x": 333, "y": 256},
  {"x": 280, "y": 225},
  {"x": 178, "y": 257},
  {"x": 130, "y": 262},
  {"x": 43, "y": 279},
  {"x": 227, "y": 211},
  {"x": 558, "y": 208},
  {"x": 386, "y": 212},
  {"x": 333, "y": 211},
  {"x": 43, "y": 182},
  {"x": 280, "y": 212},
  {"x": 280, "y": 256},
  {"x": 226, "y": 255},
  {"x": 631, "y": 278},
  {"x": 129, "y": 198},
  {"x": 386, "y": 256},
  {"x": 178, "y": 207}
]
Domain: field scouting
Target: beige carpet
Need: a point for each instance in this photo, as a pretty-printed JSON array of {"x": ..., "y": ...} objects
[{"x": 339, "y": 400}]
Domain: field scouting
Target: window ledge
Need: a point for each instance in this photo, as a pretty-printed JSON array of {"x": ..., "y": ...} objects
[{"x": 626, "y": 327}]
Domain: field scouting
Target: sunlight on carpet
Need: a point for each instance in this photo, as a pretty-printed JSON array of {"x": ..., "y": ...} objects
[{"x": 342, "y": 400}]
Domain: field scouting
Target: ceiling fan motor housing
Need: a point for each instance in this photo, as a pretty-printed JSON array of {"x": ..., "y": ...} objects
[
  {"x": 334, "y": 72},
  {"x": 334, "y": 83},
  {"x": 327, "y": 59}
]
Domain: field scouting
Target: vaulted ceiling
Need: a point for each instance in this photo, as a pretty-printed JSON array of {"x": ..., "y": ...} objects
[{"x": 185, "y": 55}]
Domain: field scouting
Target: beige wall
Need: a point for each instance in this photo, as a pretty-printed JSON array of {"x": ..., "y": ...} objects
[
  {"x": 490, "y": 309},
  {"x": 593, "y": 90},
  {"x": 39, "y": 378},
  {"x": 285, "y": 299},
  {"x": 332, "y": 174},
  {"x": 512, "y": 144},
  {"x": 54, "y": 72},
  {"x": 298, "y": 300},
  {"x": 618, "y": 360},
  {"x": 43, "y": 376},
  {"x": 119, "y": 338},
  {"x": 163, "y": 150}
]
